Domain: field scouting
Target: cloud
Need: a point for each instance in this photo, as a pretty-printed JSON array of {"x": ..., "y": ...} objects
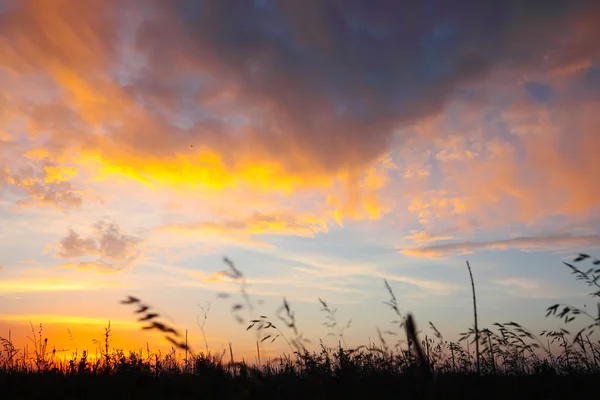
[
  {"x": 281, "y": 100},
  {"x": 98, "y": 266},
  {"x": 520, "y": 163},
  {"x": 113, "y": 248},
  {"x": 51, "y": 284},
  {"x": 289, "y": 103},
  {"x": 318, "y": 268},
  {"x": 73, "y": 246},
  {"x": 295, "y": 69},
  {"x": 565, "y": 176},
  {"x": 242, "y": 230},
  {"x": 36, "y": 179},
  {"x": 219, "y": 276},
  {"x": 530, "y": 288},
  {"x": 427, "y": 286},
  {"x": 68, "y": 320},
  {"x": 454, "y": 149},
  {"x": 59, "y": 194},
  {"x": 546, "y": 243},
  {"x": 425, "y": 237}
]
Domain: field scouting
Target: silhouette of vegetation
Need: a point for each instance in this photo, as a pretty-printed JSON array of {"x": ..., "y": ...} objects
[{"x": 511, "y": 362}]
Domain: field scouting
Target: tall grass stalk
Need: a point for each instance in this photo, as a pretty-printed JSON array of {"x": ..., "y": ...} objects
[{"x": 477, "y": 356}]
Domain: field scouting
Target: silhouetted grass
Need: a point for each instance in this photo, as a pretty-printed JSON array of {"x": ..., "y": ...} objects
[{"x": 509, "y": 362}]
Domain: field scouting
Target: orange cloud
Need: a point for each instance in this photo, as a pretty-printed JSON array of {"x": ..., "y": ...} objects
[
  {"x": 521, "y": 165},
  {"x": 364, "y": 199},
  {"x": 425, "y": 237},
  {"x": 98, "y": 266},
  {"x": 218, "y": 276},
  {"x": 573, "y": 68},
  {"x": 565, "y": 175},
  {"x": 257, "y": 224}
]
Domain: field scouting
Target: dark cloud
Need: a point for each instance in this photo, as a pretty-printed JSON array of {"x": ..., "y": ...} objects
[{"x": 328, "y": 82}]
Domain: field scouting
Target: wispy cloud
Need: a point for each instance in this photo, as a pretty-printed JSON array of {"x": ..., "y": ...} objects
[
  {"x": 430, "y": 287},
  {"x": 53, "y": 284},
  {"x": 425, "y": 237},
  {"x": 530, "y": 288},
  {"x": 257, "y": 224},
  {"x": 67, "y": 319},
  {"x": 546, "y": 243}
]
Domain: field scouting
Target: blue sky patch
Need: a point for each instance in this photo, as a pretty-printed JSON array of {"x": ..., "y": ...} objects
[{"x": 539, "y": 92}]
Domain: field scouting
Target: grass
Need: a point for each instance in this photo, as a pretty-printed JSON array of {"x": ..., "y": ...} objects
[{"x": 509, "y": 361}]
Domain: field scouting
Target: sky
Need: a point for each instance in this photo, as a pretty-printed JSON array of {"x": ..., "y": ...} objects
[{"x": 323, "y": 147}]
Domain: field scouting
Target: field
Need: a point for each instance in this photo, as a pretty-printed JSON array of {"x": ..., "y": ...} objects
[{"x": 504, "y": 361}]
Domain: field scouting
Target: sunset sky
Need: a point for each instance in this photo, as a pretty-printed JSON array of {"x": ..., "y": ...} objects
[{"x": 322, "y": 146}]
